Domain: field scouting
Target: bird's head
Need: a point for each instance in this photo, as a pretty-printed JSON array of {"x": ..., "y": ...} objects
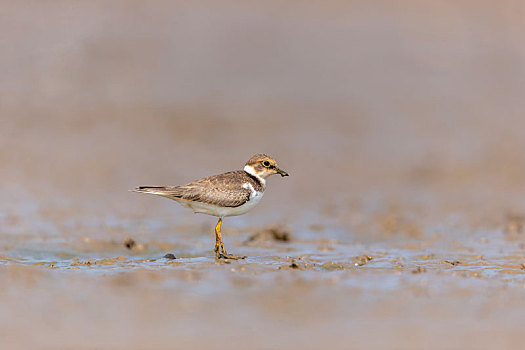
[{"x": 263, "y": 166}]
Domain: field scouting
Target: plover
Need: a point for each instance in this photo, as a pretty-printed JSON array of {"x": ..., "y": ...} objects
[{"x": 229, "y": 194}]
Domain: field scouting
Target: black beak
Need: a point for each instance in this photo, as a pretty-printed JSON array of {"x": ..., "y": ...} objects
[{"x": 281, "y": 172}]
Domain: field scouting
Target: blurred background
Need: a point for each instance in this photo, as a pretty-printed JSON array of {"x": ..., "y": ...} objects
[
  {"x": 373, "y": 107},
  {"x": 350, "y": 96}
]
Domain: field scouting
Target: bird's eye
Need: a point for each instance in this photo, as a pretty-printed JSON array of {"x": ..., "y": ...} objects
[{"x": 266, "y": 163}]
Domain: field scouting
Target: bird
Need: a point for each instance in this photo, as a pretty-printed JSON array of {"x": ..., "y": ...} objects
[{"x": 229, "y": 194}]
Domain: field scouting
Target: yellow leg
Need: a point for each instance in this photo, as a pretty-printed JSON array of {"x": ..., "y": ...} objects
[
  {"x": 218, "y": 237},
  {"x": 218, "y": 241}
]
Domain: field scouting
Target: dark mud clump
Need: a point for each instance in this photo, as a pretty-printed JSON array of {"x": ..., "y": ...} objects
[
  {"x": 362, "y": 260},
  {"x": 419, "y": 269},
  {"x": 272, "y": 233},
  {"x": 296, "y": 265},
  {"x": 129, "y": 243}
]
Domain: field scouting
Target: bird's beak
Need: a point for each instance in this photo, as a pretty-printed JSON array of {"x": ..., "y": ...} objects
[{"x": 281, "y": 172}]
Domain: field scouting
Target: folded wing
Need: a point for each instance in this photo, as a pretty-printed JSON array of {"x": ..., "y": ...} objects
[{"x": 224, "y": 190}]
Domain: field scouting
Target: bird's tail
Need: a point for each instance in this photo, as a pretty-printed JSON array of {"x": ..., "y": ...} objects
[{"x": 164, "y": 191}]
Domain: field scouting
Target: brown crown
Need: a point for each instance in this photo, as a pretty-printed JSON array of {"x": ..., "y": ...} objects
[{"x": 259, "y": 158}]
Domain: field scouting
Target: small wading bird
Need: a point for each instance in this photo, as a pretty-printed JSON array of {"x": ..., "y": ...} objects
[{"x": 229, "y": 194}]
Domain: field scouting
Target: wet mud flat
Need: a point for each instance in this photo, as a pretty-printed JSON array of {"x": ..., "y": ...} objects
[
  {"x": 307, "y": 289},
  {"x": 415, "y": 254}
]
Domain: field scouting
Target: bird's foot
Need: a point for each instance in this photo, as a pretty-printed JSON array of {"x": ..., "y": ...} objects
[{"x": 229, "y": 256}]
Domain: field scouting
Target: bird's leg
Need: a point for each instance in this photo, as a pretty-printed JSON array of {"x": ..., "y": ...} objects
[
  {"x": 218, "y": 238},
  {"x": 218, "y": 241}
]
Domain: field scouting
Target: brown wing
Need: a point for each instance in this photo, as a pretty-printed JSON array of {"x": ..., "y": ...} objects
[{"x": 224, "y": 190}]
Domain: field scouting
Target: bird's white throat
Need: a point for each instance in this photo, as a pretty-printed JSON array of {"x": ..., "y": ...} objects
[{"x": 250, "y": 170}]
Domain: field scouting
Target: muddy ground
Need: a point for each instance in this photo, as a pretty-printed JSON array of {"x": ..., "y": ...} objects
[{"x": 401, "y": 125}]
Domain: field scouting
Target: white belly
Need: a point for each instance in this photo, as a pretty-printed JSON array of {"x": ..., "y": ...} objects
[{"x": 218, "y": 211}]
